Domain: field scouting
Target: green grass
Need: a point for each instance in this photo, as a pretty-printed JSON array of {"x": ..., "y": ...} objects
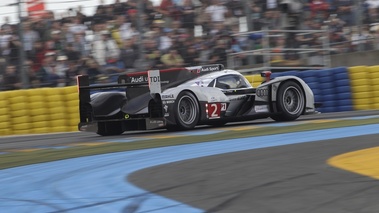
[{"x": 15, "y": 159}]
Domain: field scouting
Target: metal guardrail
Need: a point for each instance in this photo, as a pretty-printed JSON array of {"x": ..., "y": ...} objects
[{"x": 267, "y": 51}]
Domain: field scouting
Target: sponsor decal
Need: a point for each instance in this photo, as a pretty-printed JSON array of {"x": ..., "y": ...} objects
[
  {"x": 169, "y": 96},
  {"x": 210, "y": 68},
  {"x": 167, "y": 114},
  {"x": 214, "y": 110},
  {"x": 206, "y": 68},
  {"x": 165, "y": 108},
  {"x": 139, "y": 79},
  {"x": 261, "y": 108},
  {"x": 156, "y": 122}
]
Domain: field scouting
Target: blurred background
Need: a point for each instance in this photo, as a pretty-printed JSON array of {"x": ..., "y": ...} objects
[{"x": 47, "y": 43}]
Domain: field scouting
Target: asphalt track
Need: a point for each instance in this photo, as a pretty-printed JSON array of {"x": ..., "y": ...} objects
[{"x": 290, "y": 178}]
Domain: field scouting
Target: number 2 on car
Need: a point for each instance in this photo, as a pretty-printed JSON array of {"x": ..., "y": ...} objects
[{"x": 215, "y": 109}]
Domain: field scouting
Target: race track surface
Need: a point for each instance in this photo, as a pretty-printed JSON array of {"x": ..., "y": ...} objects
[
  {"x": 270, "y": 178},
  {"x": 291, "y": 178}
]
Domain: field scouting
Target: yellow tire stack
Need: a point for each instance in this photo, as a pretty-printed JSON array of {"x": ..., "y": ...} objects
[
  {"x": 56, "y": 109},
  {"x": 5, "y": 124},
  {"x": 255, "y": 80},
  {"x": 20, "y": 121},
  {"x": 38, "y": 111},
  {"x": 374, "y": 77},
  {"x": 71, "y": 97},
  {"x": 361, "y": 87}
]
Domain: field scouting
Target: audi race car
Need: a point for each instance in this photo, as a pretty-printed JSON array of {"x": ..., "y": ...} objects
[{"x": 182, "y": 98}]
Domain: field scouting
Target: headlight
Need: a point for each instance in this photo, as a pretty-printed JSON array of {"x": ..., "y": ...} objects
[{"x": 262, "y": 92}]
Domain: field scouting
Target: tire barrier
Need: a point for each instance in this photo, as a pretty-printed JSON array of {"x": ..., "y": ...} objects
[
  {"x": 49, "y": 110},
  {"x": 44, "y": 110}
]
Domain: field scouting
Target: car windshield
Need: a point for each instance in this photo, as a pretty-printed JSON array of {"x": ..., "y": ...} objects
[{"x": 230, "y": 82}]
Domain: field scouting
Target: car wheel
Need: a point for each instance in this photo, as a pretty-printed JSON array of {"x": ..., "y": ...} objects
[
  {"x": 186, "y": 110},
  {"x": 109, "y": 128},
  {"x": 290, "y": 102}
]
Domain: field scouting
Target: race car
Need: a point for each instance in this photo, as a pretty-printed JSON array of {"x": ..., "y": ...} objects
[{"x": 182, "y": 98}]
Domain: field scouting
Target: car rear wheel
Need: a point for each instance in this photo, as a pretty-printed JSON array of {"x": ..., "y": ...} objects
[
  {"x": 109, "y": 128},
  {"x": 290, "y": 102},
  {"x": 186, "y": 110}
]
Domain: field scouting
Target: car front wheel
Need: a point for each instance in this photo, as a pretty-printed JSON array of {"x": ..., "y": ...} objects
[
  {"x": 187, "y": 113},
  {"x": 290, "y": 102}
]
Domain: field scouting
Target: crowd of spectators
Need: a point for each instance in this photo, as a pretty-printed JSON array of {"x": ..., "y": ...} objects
[{"x": 125, "y": 37}]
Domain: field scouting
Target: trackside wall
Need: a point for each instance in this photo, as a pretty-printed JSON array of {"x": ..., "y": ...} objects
[{"x": 49, "y": 110}]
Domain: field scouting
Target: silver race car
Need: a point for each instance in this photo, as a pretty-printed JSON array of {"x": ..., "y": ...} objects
[{"x": 182, "y": 98}]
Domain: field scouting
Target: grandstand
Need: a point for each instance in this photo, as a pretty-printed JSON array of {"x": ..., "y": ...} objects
[{"x": 125, "y": 36}]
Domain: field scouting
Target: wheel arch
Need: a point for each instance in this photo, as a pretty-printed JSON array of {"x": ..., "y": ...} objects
[
  {"x": 302, "y": 89},
  {"x": 197, "y": 99}
]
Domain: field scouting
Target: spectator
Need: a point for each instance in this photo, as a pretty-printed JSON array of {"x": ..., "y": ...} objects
[
  {"x": 191, "y": 56},
  {"x": 345, "y": 11},
  {"x": 71, "y": 53},
  {"x": 80, "y": 46},
  {"x": 32, "y": 74},
  {"x": 77, "y": 27},
  {"x": 169, "y": 11},
  {"x": 319, "y": 9},
  {"x": 172, "y": 59},
  {"x": 105, "y": 50},
  {"x": 236, "y": 8},
  {"x": 216, "y": 11},
  {"x": 61, "y": 69},
  {"x": 57, "y": 43},
  {"x": 372, "y": 15},
  {"x": 5, "y": 38},
  {"x": 128, "y": 55},
  {"x": 219, "y": 55},
  {"x": 10, "y": 78},
  {"x": 71, "y": 73},
  {"x": 14, "y": 48},
  {"x": 47, "y": 74},
  {"x": 271, "y": 20},
  {"x": 358, "y": 39},
  {"x": 256, "y": 17},
  {"x": 166, "y": 40},
  {"x": 92, "y": 69},
  {"x": 30, "y": 36},
  {"x": 202, "y": 18},
  {"x": 39, "y": 52},
  {"x": 188, "y": 16},
  {"x": 204, "y": 53},
  {"x": 119, "y": 8}
]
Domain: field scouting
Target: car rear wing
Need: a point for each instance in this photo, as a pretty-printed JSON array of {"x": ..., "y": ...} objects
[{"x": 136, "y": 84}]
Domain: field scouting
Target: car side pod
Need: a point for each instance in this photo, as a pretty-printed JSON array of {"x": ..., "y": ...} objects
[{"x": 266, "y": 75}]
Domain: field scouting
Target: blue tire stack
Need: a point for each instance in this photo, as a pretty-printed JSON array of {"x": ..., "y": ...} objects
[
  {"x": 311, "y": 78},
  {"x": 343, "y": 89}
]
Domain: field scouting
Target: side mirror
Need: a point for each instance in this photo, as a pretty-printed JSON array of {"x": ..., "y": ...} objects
[{"x": 266, "y": 75}]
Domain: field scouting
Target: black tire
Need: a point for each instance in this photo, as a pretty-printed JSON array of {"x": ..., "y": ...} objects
[
  {"x": 290, "y": 102},
  {"x": 109, "y": 128},
  {"x": 186, "y": 111}
]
